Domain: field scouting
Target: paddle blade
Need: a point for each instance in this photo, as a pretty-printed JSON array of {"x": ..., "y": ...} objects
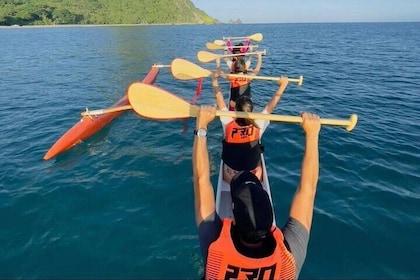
[
  {"x": 182, "y": 69},
  {"x": 213, "y": 46},
  {"x": 155, "y": 103},
  {"x": 220, "y": 42},
  {"x": 204, "y": 56},
  {"x": 256, "y": 37}
]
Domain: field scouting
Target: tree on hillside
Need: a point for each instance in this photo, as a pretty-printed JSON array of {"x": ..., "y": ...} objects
[{"x": 99, "y": 12}]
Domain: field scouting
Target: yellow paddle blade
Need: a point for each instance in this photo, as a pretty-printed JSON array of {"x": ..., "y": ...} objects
[
  {"x": 256, "y": 37},
  {"x": 204, "y": 56},
  {"x": 182, "y": 69},
  {"x": 213, "y": 46},
  {"x": 220, "y": 42},
  {"x": 155, "y": 103}
]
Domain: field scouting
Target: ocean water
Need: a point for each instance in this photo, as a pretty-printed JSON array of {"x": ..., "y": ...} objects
[{"x": 120, "y": 204}]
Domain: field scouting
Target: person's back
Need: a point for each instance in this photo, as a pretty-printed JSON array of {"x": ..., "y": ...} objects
[
  {"x": 241, "y": 143},
  {"x": 240, "y": 85},
  {"x": 242, "y": 137},
  {"x": 249, "y": 246}
]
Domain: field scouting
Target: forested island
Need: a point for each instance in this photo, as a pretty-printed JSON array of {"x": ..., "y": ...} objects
[{"x": 62, "y": 12}]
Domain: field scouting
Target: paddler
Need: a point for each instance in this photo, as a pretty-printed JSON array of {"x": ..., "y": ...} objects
[
  {"x": 239, "y": 48},
  {"x": 250, "y": 247},
  {"x": 241, "y": 144},
  {"x": 240, "y": 86}
]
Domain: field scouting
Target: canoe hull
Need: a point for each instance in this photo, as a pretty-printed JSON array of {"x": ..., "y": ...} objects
[{"x": 89, "y": 125}]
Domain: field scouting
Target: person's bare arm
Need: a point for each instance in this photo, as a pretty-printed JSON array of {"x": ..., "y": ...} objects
[
  {"x": 257, "y": 68},
  {"x": 226, "y": 58},
  {"x": 303, "y": 201},
  {"x": 220, "y": 101},
  {"x": 284, "y": 81},
  {"x": 204, "y": 200}
]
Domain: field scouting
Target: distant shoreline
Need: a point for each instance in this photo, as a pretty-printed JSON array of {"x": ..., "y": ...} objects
[
  {"x": 97, "y": 25},
  {"x": 169, "y": 24}
]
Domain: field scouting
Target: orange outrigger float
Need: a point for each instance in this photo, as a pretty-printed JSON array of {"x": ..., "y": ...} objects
[{"x": 91, "y": 124}]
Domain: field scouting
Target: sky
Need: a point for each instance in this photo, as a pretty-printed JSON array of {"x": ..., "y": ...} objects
[{"x": 302, "y": 11}]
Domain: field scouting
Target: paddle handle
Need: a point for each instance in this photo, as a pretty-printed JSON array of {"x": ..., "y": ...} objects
[
  {"x": 348, "y": 124},
  {"x": 235, "y": 38},
  {"x": 105, "y": 111},
  {"x": 299, "y": 80}
]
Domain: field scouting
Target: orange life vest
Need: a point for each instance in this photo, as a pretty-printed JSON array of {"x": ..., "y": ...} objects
[
  {"x": 238, "y": 134},
  {"x": 224, "y": 262},
  {"x": 239, "y": 86},
  {"x": 238, "y": 82},
  {"x": 241, "y": 146}
]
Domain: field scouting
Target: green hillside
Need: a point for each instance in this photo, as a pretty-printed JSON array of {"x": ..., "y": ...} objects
[{"x": 49, "y": 12}]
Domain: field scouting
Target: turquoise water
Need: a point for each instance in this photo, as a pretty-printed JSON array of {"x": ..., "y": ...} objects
[{"x": 120, "y": 205}]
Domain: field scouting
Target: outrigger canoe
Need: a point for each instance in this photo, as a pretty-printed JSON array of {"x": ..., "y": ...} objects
[
  {"x": 224, "y": 200},
  {"x": 91, "y": 124}
]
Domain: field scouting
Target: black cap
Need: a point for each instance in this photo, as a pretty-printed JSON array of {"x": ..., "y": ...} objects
[{"x": 252, "y": 208}]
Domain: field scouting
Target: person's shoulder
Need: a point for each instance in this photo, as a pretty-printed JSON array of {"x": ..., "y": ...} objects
[{"x": 223, "y": 119}]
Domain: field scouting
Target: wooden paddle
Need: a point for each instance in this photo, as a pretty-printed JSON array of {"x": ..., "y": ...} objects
[
  {"x": 205, "y": 56},
  {"x": 183, "y": 69},
  {"x": 155, "y": 103},
  {"x": 254, "y": 37},
  {"x": 213, "y": 46},
  {"x": 220, "y": 42}
]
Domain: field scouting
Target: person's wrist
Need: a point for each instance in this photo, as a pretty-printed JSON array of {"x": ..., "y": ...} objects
[
  {"x": 312, "y": 136},
  {"x": 201, "y": 125}
]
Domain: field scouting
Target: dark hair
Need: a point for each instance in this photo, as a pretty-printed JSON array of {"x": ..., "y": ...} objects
[
  {"x": 240, "y": 65},
  {"x": 244, "y": 104},
  {"x": 236, "y": 48}
]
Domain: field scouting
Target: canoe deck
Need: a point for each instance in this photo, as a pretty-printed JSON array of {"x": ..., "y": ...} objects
[{"x": 223, "y": 198}]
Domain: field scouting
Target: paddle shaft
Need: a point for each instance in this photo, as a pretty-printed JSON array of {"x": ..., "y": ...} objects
[
  {"x": 264, "y": 52},
  {"x": 213, "y": 46},
  {"x": 205, "y": 56},
  {"x": 254, "y": 37},
  {"x": 299, "y": 80}
]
